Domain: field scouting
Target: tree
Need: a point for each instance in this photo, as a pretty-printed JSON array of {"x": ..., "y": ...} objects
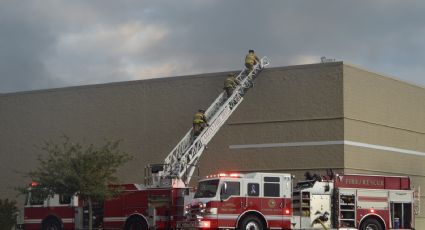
[
  {"x": 8, "y": 213},
  {"x": 86, "y": 171}
]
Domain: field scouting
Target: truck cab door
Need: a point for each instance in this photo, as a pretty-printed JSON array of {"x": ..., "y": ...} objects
[
  {"x": 252, "y": 195},
  {"x": 231, "y": 203}
]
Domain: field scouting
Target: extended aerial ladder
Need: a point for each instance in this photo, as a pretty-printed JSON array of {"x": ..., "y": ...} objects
[{"x": 181, "y": 162}]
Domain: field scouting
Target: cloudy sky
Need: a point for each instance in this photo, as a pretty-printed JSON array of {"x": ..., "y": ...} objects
[{"x": 52, "y": 43}]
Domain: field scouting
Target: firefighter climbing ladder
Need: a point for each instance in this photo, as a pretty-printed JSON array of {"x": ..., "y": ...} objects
[{"x": 182, "y": 160}]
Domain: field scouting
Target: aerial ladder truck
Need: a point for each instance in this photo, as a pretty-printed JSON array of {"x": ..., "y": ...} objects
[{"x": 160, "y": 202}]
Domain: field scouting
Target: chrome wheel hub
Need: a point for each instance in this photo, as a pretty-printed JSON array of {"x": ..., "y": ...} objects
[
  {"x": 252, "y": 226},
  {"x": 372, "y": 227}
]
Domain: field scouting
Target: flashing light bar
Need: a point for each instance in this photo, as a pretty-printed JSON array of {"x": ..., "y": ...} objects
[{"x": 234, "y": 175}]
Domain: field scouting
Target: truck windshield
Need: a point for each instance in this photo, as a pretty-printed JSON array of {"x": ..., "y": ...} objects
[
  {"x": 36, "y": 197},
  {"x": 207, "y": 189}
]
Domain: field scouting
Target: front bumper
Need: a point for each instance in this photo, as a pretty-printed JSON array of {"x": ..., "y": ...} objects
[{"x": 197, "y": 224}]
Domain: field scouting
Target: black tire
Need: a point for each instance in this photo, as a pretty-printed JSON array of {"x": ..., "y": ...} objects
[
  {"x": 136, "y": 223},
  {"x": 51, "y": 224},
  {"x": 251, "y": 223},
  {"x": 371, "y": 224}
]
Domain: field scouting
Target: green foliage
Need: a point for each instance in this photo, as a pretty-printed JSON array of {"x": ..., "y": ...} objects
[
  {"x": 71, "y": 168},
  {"x": 8, "y": 212}
]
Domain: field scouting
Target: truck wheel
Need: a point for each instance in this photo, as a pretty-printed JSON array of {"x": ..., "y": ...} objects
[
  {"x": 251, "y": 223},
  {"x": 51, "y": 224},
  {"x": 371, "y": 224},
  {"x": 136, "y": 223}
]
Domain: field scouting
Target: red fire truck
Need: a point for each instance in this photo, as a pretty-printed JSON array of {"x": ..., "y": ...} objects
[
  {"x": 159, "y": 203},
  {"x": 256, "y": 201},
  {"x": 137, "y": 206}
]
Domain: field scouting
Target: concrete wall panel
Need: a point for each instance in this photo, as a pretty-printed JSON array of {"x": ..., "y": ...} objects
[
  {"x": 383, "y": 161},
  {"x": 371, "y": 133}
]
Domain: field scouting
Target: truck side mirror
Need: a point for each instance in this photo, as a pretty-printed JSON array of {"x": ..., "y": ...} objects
[
  {"x": 327, "y": 188},
  {"x": 223, "y": 191},
  {"x": 74, "y": 201}
]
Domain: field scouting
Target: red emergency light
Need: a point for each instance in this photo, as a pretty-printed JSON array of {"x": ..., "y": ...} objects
[
  {"x": 372, "y": 210},
  {"x": 287, "y": 211},
  {"x": 33, "y": 184}
]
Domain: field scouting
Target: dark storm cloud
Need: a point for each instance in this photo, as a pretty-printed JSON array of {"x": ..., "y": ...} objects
[
  {"x": 23, "y": 44},
  {"x": 61, "y": 43}
]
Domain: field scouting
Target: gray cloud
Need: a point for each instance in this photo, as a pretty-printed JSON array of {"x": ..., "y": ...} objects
[
  {"x": 22, "y": 49},
  {"x": 63, "y": 43}
]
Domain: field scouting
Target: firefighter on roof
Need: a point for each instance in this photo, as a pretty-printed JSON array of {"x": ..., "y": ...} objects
[
  {"x": 199, "y": 122},
  {"x": 251, "y": 59},
  {"x": 230, "y": 84}
]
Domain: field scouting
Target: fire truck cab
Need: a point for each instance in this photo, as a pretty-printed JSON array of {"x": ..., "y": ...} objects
[
  {"x": 268, "y": 200},
  {"x": 55, "y": 211},
  {"x": 247, "y": 201}
]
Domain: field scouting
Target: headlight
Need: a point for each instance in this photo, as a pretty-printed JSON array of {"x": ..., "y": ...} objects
[{"x": 211, "y": 211}]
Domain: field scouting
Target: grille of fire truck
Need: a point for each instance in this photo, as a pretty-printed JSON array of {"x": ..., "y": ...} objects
[{"x": 182, "y": 160}]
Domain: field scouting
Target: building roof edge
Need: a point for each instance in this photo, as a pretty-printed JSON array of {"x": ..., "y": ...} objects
[
  {"x": 386, "y": 76},
  {"x": 159, "y": 79}
]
